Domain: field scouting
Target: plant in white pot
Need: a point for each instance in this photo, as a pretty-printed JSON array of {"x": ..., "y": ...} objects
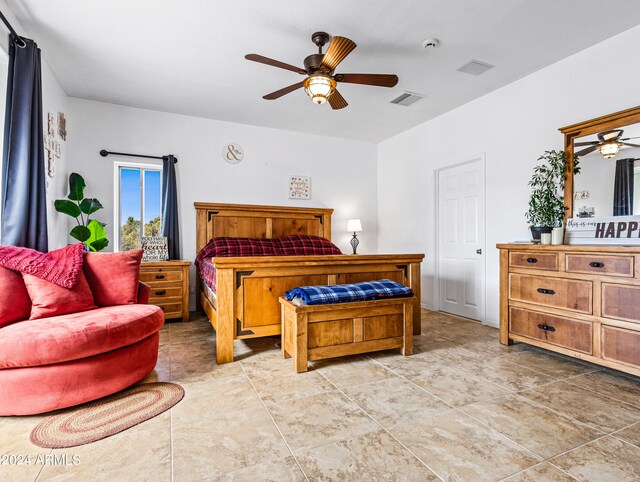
[{"x": 546, "y": 204}]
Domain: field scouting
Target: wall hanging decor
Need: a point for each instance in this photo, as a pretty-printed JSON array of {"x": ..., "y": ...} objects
[
  {"x": 299, "y": 187},
  {"x": 232, "y": 152},
  {"x": 62, "y": 126},
  {"x": 51, "y": 146}
]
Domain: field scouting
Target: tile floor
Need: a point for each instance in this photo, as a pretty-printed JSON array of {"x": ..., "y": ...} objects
[{"x": 462, "y": 408}]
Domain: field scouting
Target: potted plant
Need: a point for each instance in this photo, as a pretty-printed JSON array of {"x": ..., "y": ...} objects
[
  {"x": 89, "y": 231},
  {"x": 546, "y": 204}
]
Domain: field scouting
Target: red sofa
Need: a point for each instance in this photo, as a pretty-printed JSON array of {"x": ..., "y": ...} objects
[{"x": 59, "y": 361}]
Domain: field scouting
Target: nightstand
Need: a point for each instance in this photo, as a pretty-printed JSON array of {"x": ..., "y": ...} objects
[{"x": 169, "y": 281}]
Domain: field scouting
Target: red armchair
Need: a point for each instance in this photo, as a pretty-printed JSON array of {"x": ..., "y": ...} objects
[{"x": 56, "y": 362}]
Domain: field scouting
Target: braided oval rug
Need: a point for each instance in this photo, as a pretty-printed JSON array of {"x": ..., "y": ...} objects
[{"x": 105, "y": 417}]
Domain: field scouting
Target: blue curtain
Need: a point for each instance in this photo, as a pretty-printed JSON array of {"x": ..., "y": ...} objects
[
  {"x": 170, "y": 227},
  {"x": 623, "y": 188},
  {"x": 24, "y": 211}
]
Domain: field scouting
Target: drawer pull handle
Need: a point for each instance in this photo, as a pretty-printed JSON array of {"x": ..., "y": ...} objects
[
  {"x": 532, "y": 260},
  {"x": 160, "y": 276},
  {"x": 544, "y": 327},
  {"x": 545, "y": 291},
  {"x": 162, "y": 308},
  {"x": 160, "y": 292},
  {"x": 596, "y": 264}
]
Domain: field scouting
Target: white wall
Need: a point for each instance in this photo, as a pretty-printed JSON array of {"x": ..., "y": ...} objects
[
  {"x": 512, "y": 126},
  {"x": 344, "y": 172},
  {"x": 54, "y": 100}
]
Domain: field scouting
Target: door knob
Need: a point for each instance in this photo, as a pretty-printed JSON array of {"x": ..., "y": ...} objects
[{"x": 478, "y": 251}]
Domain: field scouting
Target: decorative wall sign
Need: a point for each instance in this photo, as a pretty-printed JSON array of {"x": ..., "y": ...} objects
[
  {"x": 51, "y": 146},
  {"x": 154, "y": 248},
  {"x": 62, "y": 126},
  {"x": 299, "y": 187},
  {"x": 609, "y": 230},
  {"x": 232, "y": 152}
]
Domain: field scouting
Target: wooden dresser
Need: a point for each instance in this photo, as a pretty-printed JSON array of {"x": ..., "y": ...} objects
[
  {"x": 582, "y": 301},
  {"x": 169, "y": 281}
]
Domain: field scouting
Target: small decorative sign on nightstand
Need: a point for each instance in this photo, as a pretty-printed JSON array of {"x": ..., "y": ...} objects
[
  {"x": 299, "y": 187},
  {"x": 154, "y": 248}
]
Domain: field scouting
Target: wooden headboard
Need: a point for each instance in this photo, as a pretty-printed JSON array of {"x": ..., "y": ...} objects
[{"x": 246, "y": 220}]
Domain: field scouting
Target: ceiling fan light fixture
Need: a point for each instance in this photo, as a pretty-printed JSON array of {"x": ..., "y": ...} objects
[
  {"x": 319, "y": 87},
  {"x": 609, "y": 149}
]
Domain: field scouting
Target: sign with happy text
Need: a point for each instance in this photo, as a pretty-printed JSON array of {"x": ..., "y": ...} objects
[{"x": 610, "y": 230}]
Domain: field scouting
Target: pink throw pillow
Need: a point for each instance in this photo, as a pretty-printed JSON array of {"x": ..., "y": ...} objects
[
  {"x": 15, "y": 304},
  {"x": 61, "y": 266},
  {"x": 113, "y": 277},
  {"x": 49, "y": 299}
]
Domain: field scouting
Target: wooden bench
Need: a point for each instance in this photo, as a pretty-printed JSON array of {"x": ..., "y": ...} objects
[{"x": 317, "y": 332}]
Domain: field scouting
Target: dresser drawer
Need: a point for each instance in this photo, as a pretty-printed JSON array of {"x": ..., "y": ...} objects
[
  {"x": 621, "y": 302},
  {"x": 573, "y": 334},
  {"x": 533, "y": 260},
  {"x": 152, "y": 277},
  {"x": 620, "y": 345},
  {"x": 159, "y": 294},
  {"x": 171, "y": 310},
  {"x": 604, "y": 265},
  {"x": 563, "y": 293}
]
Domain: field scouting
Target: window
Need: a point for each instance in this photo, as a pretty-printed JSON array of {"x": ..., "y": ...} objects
[{"x": 139, "y": 201}]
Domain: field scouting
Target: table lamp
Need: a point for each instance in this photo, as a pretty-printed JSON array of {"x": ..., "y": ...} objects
[{"x": 354, "y": 226}]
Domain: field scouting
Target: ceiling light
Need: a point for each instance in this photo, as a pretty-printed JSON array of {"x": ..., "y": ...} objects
[
  {"x": 319, "y": 87},
  {"x": 609, "y": 149}
]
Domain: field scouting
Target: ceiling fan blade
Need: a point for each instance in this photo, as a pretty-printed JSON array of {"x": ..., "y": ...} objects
[
  {"x": 592, "y": 143},
  {"x": 279, "y": 93},
  {"x": 380, "y": 80},
  {"x": 631, "y": 145},
  {"x": 274, "y": 63},
  {"x": 338, "y": 49},
  {"x": 586, "y": 151},
  {"x": 337, "y": 101},
  {"x": 629, "y": 138}
]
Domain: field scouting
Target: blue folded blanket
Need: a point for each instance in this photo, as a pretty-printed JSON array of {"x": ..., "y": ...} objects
[{"x": 370, "y": 290}]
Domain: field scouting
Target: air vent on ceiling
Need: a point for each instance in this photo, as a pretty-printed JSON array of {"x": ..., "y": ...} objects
[
  {"x": 475, "y": 67},
  {"x": 407, "y": 99}
]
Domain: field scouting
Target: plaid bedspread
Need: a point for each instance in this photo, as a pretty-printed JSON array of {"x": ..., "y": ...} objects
[
  {"x": 208, "y": 273},
  {"x": 295, "y": 245},
  {"x": 369, "y": 290}
]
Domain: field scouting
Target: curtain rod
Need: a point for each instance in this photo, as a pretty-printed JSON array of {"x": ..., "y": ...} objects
[
  {"x": 13, "y": 32},
  {"x": 105, "y": 153}
]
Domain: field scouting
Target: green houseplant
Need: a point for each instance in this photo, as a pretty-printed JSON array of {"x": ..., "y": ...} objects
[
  {"x": 546, "y": 204},
  {"x": 89, "y": 231}
]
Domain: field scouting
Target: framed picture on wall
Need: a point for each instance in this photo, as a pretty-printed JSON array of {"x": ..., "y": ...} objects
[{"x": 299, "y": 187}]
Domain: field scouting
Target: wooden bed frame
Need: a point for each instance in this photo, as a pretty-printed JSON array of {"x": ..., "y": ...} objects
[{"x": 246, "y": 301}]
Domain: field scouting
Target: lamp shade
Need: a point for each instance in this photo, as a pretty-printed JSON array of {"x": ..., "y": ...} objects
[{"x": 354, "y": 226}]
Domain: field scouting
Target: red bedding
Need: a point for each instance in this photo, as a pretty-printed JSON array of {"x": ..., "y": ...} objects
[
  {"x": 207, "y": 273},
  {"x": 296, "y": 245}
]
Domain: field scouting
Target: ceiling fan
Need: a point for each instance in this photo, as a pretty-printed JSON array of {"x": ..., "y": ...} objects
[
  {"x": 321, "y": 81},
  {"x": 608, "y": 143}
]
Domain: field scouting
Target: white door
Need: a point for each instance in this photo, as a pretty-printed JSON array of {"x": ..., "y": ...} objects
[{"x": 461, "y": 266}]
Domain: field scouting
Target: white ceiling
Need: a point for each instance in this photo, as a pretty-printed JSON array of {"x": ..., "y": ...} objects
[{"x": 187, "y": 56}]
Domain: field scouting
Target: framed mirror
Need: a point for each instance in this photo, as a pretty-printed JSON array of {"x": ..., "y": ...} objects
[{"x": 609, "y": 152}]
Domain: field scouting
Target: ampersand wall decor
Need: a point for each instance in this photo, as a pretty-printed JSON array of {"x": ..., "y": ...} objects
[{"x": 232, "y": 152}]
